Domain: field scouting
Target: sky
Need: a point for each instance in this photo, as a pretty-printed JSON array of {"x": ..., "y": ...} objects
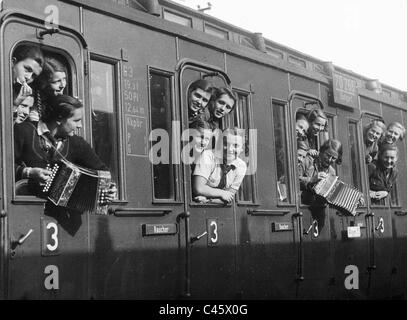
[{"x": 368, "y": 37}]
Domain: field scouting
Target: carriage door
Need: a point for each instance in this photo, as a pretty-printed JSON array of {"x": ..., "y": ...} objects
[
  {"x": 314, "y": 261},
  {"x": 379, "y": 219},
  {"x": 211, "y": 226},
  {"x": 47, "y": 253}
]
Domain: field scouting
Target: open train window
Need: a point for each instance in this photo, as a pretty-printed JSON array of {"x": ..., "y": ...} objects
[
  {"x": 31, "y": 90},
  {"x": 281, "y": 145},
  {"x": 373, "y": 130},
  {"x": 104, "y": 115},
  {"x": 207, "y": 82}
]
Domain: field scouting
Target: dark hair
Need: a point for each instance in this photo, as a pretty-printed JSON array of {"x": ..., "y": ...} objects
[
  {"x": 200, "y": 124},
  {"x": 334, "y": 145},
  {"x": 51, "y": 65},
  {"x": 218, "y": 92},
  {"x": 300, "y": 116},
  {"x": 202, "y": 84},
  {"x": 315, "y": 113},
  {"x": 29, "y": 51},
  {"x": 387, "y": 147},
  {"x": 60, "y": 107}
]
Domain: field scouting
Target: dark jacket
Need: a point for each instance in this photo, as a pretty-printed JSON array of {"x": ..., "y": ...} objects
[
  {"x": 381, "y": 179},
  {"x": 30, "y": 151}
]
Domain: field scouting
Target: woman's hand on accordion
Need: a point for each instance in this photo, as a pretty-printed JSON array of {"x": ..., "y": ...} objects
[
  {"x": 39, "y": 175},
  {"x": 111, "y": 193},
  {"x": 321, "y": 175}
]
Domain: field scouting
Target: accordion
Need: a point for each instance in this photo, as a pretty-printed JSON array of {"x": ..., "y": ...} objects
[
  {"x": 339, "y": 194},
  {"x": 78, "y": 188}
]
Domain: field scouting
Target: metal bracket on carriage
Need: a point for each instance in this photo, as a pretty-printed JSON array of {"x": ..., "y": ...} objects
[
  {"x": 20, "y": 240},
  {"x": 196, "y": 238},
  {"x": 41, "y": 33},
  {"x": 314, "y": 225}
]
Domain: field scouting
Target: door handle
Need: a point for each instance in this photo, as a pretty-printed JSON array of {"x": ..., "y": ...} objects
[
  {"x": 196, "y": 238},
  {"x": 22, "y": 239}
]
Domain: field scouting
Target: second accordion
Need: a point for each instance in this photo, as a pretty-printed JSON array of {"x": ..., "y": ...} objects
[
  {"x": 78, "y": 188},
  {"x": 339, "y": 194}
]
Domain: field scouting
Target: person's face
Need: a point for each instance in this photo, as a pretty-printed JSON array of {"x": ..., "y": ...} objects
[
  {"x": 373, "y": 134},
  {"x": 234, "y": 146},
  {"x": 318, "y": 125},
  {"x": 223, "y": 106},
  {"x": 201, "y": 139},
  {"x": 389, "y": 158},
  {"x": 68, "y": 126},
  {"x": 57, "y": 83},
  {"x": 392, "y": 135},
  {"x": 301, "y": 155},
  {"x": 328, "y": 158},
  {"x": 198, "y": 99},
  {"x": 23, "y": 110},
  {"x": 301, "y": 127},
  {"x": 26, "y": 71}
]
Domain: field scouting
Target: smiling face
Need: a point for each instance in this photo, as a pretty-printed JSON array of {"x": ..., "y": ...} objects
[
  {"x": 301, "y": 127},
  {"x": 201, "y": 139},
  {"x": 389, "y": 158},
  {"x": 26, "y": 71},
  {"x": 301, "y": 155},
  {"x": 328, "y": 158},
  {"x": 392, "y": 135},
  {"x": 57, "y": 83},
  {"x": 318, "y": 125},
  {"x": 68, "y": 126},
  {"x": 234, "y": 146},
  {"x": 23, "y": 110},
  {"x": 223, "y": 105},
  {"x": 373, "y": 134},
  {"x": 198, "y": 99}
]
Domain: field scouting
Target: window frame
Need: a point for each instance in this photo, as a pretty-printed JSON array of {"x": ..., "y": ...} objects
[
  {"x": 174, "y": 117},
  {"x": 119, "y": 117},
  {"x": 286, "y": 107},
  {"x": 74, "y": 86},
  {"x": 249, "y": 113}
]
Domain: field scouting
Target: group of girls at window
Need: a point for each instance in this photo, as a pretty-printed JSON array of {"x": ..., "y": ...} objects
[
  {"x": 380, "y": 150},
  {"x": 46, "y": 120},
  {"x": 381, "y": 156},
  {"x": 215, "y": 177}
]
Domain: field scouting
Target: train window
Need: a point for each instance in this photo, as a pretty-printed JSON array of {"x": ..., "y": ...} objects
[
  {"x": 241, "y": 119},
  {"x": 281, "y": 152},
  {"x": 215, "y": 31},
  {"x": 372, "y": 130},
  {"x": 31, "y": 93},
  {"x": 175, "y": 17},
  {"x": 394, "y": 196},
  {"x": 354, "y": 156},
  {"x": 161, "y": 118},
  {"x": 104, "y": 115}
]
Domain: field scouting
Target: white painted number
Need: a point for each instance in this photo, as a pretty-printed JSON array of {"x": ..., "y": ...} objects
[
  {"x": 215, "y": 231},
  {"x": 54, "y": 236}
]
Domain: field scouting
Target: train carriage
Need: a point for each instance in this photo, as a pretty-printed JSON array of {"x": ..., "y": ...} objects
[{"x": 131, "y": 63}]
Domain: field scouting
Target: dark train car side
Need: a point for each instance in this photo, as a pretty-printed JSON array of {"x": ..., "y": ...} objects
[{"x": 131, "y": 68}]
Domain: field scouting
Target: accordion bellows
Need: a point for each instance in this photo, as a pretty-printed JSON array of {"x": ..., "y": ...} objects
[
  {"x": 339, "y": 194},
  {"x": 78, "y": 188}
]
